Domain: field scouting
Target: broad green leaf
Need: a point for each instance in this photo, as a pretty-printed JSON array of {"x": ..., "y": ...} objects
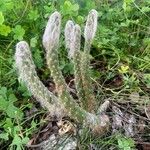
[
  {"x": 1, "y": 18},
  {"x": 17, "y": 140},
  {"x": 17, "y": 129},
  {"x": 75, "y": 7},
  {"x": 3, "y": 92},
  {"x": 3, "y": 103},
  {"x": 67, "y": 4},
  {"x": 33, "y": 15},
  {"x": 8, "y": 126},
  {"x": 5, "y": 30},
  {"x": 23, "y": 89},
  {"x": 12, "y": 98},
  {"x": 33, "y": 42},
  {"x": 25, "y": 140},
  {"x": 18, "y": 32},
  {"x": 4, "y": 136},
  {"x": 67, "y": 7},
  {"x": 33, "y": 124},
  {"x": 6, "y": 5},
  {"x": 80, "y": 19},
  {"x": 14, "y": 112}
]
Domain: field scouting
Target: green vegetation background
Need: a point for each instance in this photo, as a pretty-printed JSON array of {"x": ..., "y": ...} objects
[{"x": 122, "y": 44}]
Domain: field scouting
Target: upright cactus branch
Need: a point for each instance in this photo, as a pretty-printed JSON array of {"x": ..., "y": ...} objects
[
  {"x": 89, "y": 33},
  {"x": 51, "y": 41},
  {"x": 27, "y": 74},
  {"x": 73, "y": 39}
]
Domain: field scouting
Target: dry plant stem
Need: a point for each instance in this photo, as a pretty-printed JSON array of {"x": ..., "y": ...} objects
[{"x": 27, "y": 74}]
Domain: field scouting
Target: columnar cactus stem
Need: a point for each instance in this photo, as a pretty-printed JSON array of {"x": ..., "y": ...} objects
[
  {"x": 74, "y": 110},
  {"x": 73, "y": 39},
  {"x": 28, "y": 75},
  {"x": 77, "y": 63},
  {"x": 89, "y": 33}
]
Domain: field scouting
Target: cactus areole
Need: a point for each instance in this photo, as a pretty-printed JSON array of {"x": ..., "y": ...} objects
[{"x": 63, "y": 104}]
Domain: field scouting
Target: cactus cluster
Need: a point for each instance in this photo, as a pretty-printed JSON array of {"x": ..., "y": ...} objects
[{"x": 63, "y": 104}]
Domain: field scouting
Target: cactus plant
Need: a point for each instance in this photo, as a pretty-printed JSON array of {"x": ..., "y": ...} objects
[
  {"x": 89, "y": 33},
  {"x": 63, "y": 103}
]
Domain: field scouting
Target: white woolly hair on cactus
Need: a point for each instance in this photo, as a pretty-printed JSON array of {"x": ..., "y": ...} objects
[
  {"x": 68, "y": 33},
  {"x": 91, "y": 25},
  {"x": 76, "y": 39},
  {"x": 52, "y": 31},
  {"x": 22, "y": 50}
]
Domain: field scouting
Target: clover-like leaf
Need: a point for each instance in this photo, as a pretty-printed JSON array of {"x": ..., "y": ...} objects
[
  {"x": 4, "y": 136},
  {"x": 12, "y": 98},
  {"x": 3, "y": 103},
  {"x": 18, "y": 32},
  {"x": 33, "y": 15},
  {"x": 14, "y": 112},
  {"x": 4, "y": 30},
  {"x": 33, "y": 42},
  {"x": 70, "y": 9},
  {"x": 3, "y": 92}
]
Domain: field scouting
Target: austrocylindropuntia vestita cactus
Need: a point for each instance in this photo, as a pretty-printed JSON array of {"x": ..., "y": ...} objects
[{"x": 63, "y": 104}]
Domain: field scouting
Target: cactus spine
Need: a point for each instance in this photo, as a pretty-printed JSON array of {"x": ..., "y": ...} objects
[{"x": 64, "y": 102}]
